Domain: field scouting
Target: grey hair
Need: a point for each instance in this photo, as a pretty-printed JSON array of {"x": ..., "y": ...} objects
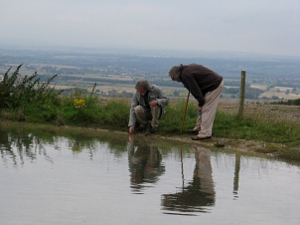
[
  {"x": 174, "y": 72},
  {"x": 143, "y": 84}
]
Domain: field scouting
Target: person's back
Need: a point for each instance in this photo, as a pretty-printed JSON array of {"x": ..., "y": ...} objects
[{"x": 207, "y": 80}]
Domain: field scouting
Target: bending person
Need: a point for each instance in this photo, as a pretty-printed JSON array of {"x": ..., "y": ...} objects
[{"x": 206, "y": 86}]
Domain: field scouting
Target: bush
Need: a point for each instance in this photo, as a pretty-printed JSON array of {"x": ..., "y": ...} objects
[
  {"x": 289, "y": 102},
  {"x": 16, "y": 91}
]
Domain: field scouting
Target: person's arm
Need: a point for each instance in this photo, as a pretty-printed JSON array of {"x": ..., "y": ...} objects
[
  {"x": 132, "y": 117},
  {"x": 162, "y": 99}
]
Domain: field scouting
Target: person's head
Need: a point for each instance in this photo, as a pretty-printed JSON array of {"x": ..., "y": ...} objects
[
  {"x": 142, "y": 86},
  {"x": 174, "y": 73}
]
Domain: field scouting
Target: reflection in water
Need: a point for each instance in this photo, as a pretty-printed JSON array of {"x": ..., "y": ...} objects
[
  {"x": 236, "y": 175},
  {"x": 20, "y": 147},
  {"x": 199, "y": 194},
  {"x": 87, "y": 183},
  {"x": 145, "y": 165}
]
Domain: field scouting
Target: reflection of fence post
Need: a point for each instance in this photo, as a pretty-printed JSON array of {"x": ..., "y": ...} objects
[
  {"x": 242, "y": 93},
  {"x": 236, "y": 174}
]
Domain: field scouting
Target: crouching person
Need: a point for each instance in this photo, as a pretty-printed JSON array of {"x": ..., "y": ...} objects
[{"x": 148, "y": 104}]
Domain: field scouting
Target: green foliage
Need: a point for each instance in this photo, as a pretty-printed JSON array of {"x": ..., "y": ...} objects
[
  {"x": 16, "y": 91},
  {"x": 115, "y": 113},
  {"x": 80, "y": 109},
  {"x": 292, "y": 154},
  {"x": 289, "y": 102},
  {"x": 171, "y": 122},
  {"x": 226, "y": 125}
]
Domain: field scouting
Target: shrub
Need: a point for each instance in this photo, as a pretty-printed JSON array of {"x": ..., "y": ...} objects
[{"x": 17, "y": 91}]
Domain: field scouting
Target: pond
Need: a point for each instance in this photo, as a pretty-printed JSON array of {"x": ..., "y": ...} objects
[{"x": 82, "y": 176}]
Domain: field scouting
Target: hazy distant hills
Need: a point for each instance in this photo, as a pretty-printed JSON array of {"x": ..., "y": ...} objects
[
  {"x": 271, "y": 77},
  {"x": 159, "y": 62}
]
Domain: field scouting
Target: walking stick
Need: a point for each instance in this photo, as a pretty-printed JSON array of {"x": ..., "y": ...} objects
[{"x": 186, "y": 104}]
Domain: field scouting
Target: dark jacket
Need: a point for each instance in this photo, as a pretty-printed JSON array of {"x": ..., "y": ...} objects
[{"x": 199, "y": 80}]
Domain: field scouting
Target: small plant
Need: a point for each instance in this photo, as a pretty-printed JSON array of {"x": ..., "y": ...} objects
[
  {"x": 60, "y": 120},
  {"x": 79, "y": 103}
]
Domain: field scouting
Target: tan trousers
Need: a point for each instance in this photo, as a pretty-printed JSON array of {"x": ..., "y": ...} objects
[
  {"x": 144, "y": 116},
  {"x": 205, "y": 122}
]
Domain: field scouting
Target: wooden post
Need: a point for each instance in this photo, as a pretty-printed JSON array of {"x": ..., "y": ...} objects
[
  {"x": 93, "y": 89},
  {"x": 242, "y": 94},
  {"x": 186, "y": 105}
]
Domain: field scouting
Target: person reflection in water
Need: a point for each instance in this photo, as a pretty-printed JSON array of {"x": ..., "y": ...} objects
[
  {"x": 199, "y": 194},
  {"x": 145, "y": 165}
]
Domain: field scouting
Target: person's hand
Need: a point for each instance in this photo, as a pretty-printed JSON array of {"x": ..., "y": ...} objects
[
  {"x": 200, "y": 109},
  {"x": 131, "y": 129},
  {"x": 153, "y": 103},
  {"x": 130, "y": 138}
]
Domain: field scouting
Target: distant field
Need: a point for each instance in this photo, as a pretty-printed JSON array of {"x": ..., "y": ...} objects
[
  {"x": 131, "y": 89},
  {"x": 258, "y": 86},
  {"x": 267, "y": 111},
  {"x": 61, "y": 87},
  {"x": 281, "y": 89},
  {"x": 169, "y": 91},
  {"x": 280, "y": 95},
  {"x": 117, "y": 73},
  {"x": 119, "y": 89}
]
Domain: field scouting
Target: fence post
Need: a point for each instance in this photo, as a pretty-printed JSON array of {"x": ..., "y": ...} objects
[
  {"x": 242, "y": 94},
  {"x": 93, "y": 89}
]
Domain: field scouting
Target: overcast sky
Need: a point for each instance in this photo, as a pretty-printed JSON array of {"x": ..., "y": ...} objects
[{"x": 256, "y": 26}]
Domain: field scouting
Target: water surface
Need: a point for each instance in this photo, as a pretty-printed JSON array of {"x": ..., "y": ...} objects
[{"x": 91, "y": 177}]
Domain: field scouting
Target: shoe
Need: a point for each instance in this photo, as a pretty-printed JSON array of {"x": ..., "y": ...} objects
[
  {"x": 153, "y": 129},
  {"x": 140, "y": 129},
  {"x": 196, "y": 138},
  {"x": 192, "y": 131}
]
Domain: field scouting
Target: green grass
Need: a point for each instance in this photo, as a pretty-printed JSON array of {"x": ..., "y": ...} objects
[
  {"x": 256, "y": 128},
  {"x": 171, "y": 122},
  {"x": 114, "y": 113}
]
